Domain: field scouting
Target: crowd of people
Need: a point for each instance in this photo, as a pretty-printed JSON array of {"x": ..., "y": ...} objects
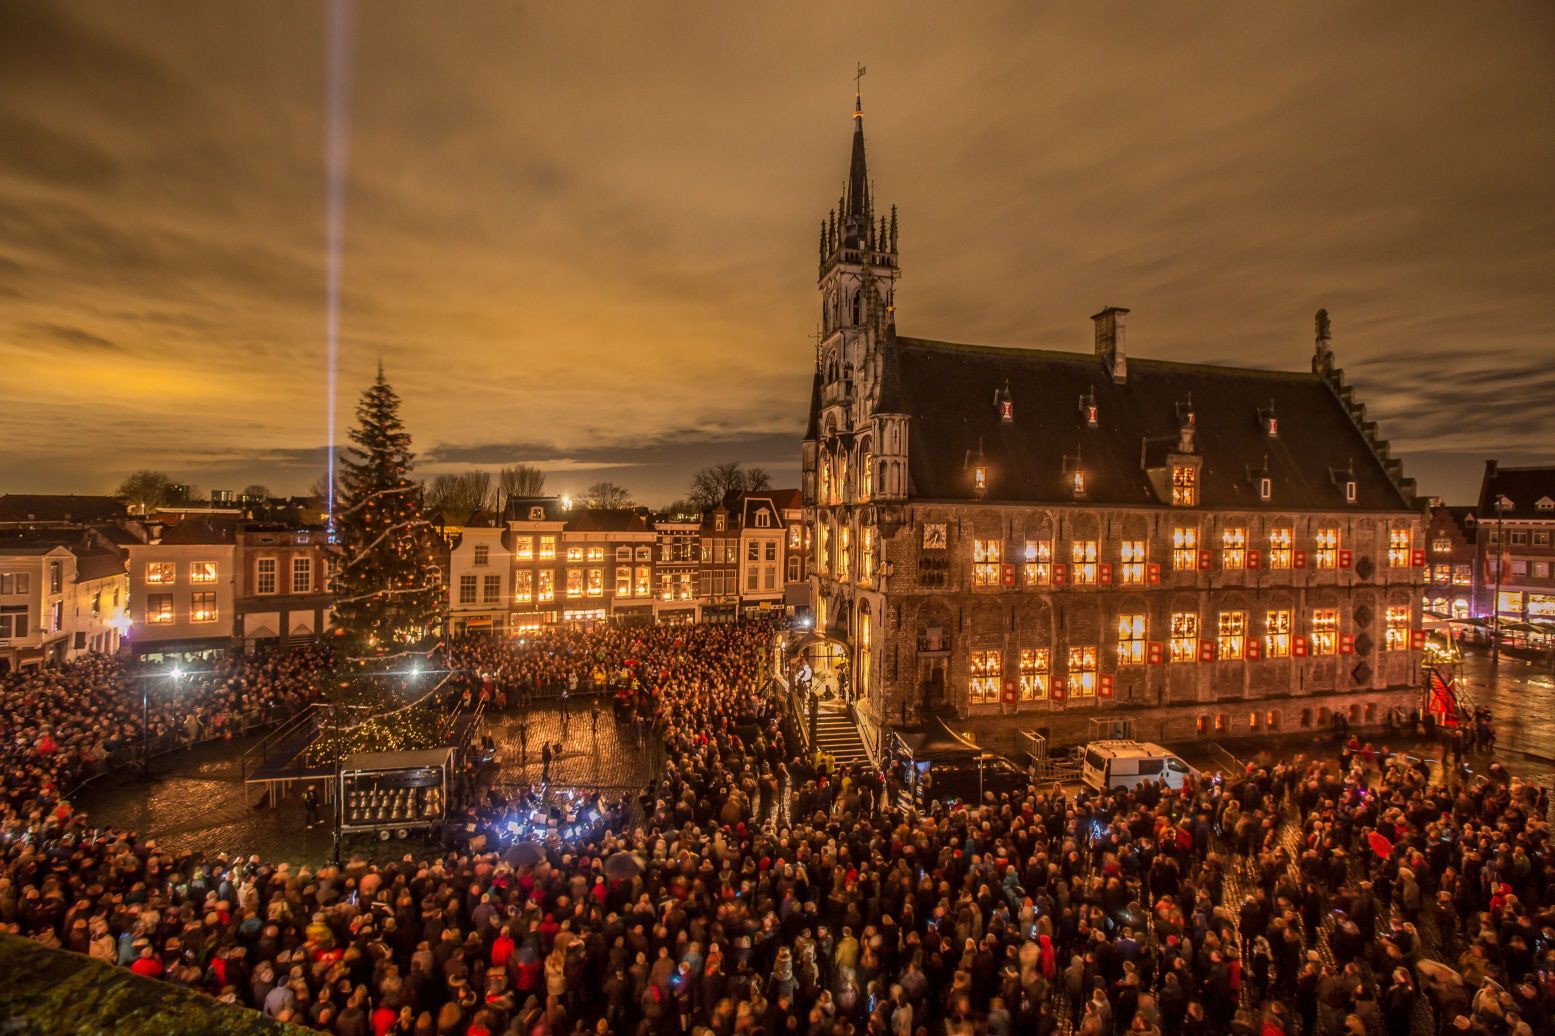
[{"x": 760, "y": 890}]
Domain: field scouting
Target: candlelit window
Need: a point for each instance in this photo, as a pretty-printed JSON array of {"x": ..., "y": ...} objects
[
  {"x": 1398, "y": 627},
  {"x": 547, "y": 547},
  {"x": 1131, "y": 639},
  {"x": 1276, "y": 633},
  {"x": 823, "y": 549},
  {"x": 1185, "y": 636},
  {"x": 1233, "y": 548},
  {"x": 623, "y": 580},
  {"x": 1132, "y": 570},
  {"x": 596, "y": 553},
  {"x": 202, "y": 606},
  {"x": 524, "y": 548},
  {"x": 1185, "y": 549},
  {"x": 575, "y": 582},
  {"x": 1400, "y": 543},
  {"x": 596, "y": 582},
  {"x": 844, "y": 551},
  {"x": 866, "y": 477},
  {"x": 1326, "y": 550},
  {"x": 1033, "y": 674},
  {"x": 1279, "y": 548},
  {"x": 159, "y": 609},
  {"x": 1082, "y": 672},
  {"x": 575, "y": 553},
  {"x": 161, "y": 573},
  {"x": 466, "y": 589},
  {"x": 1038, "y": 567},
  {"x": 201, "y": 572},
  {"x": 986, "y": 555},
  {"x": 265, "y": 576},
  {"x": 644, "y": 581},
  {"x": 546, "y": 590},
  {"x": 1231, "y": 641},
  {"x": 523, "y": 586},
  {"x": 1083, "y": 553},
  {"x": 867, "y": 554},
  {"x": 984, "y": 684},
  {"x": 1185, "y": 485},
  {"x": 795, "y": 537},
  {"x": 1325, "y": 630}
]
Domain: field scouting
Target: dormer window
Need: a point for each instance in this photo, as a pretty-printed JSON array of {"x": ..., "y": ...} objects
[
  {"x": 1349, "y": 491},
  {"x": 978, "y": 466},
  {"x": 1186, "y": 414},
  {"x": 1088, "y": 408},
  {"x": 1075, "y": 475},
  {"x": 1004, "y": 403},
  {"x": 1344, "y": 478},
  {"x": 1265, "y": 488},
  {"x": 1185, "y": 485},
  {"x": 1544, "y": 504},
  {"x": 1270, "y": 423}
]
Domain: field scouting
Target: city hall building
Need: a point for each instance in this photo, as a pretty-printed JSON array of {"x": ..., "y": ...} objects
[{"x": 1027, "y": 539}]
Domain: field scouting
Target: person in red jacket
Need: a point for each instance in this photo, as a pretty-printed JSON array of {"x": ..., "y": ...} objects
[{"x": 146, "y": 965}]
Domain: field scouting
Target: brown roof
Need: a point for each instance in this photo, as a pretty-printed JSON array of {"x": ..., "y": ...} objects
[
  {"x": 1524, "y": 487},
  {"x": 46, "y": 507}
]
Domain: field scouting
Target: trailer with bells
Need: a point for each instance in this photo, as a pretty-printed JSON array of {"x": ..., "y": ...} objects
[{"x": 391, "y": 794}]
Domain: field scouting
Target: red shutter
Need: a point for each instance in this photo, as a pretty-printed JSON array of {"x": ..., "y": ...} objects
[
  {"x": 1106, "y": 574},
  {"x": 1206, "y": 651},
  {"x": 1301, "y": 559},
  {"x": 1206, "y": 559},
  {"x": 1106, "y": 685},
  {"x": 1418, "y": 559},
  {"x": 1301, "y": 646},
  {"x": 1154, "y": 652},
  {"x": 1007, "y": 575},
  {"x": 1060, "y": 574},
  {"x": 1345, "y": 557},
  {"x": 1254, "y": 559},
  {"x": 1009, "y": 691},
  {"x": 1347, "y": 643},
  {"x": 1155, "y": 574},
  {"x": 1417, "y": 640},
  {"x": 1056, "y": 686},
  {"x": 1254, "y": 649}
]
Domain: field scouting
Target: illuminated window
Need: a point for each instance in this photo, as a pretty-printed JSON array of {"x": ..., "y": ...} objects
[
  {"x": 623, "y": 580},
  {"x": 844, "y": 551},
  {"x": 822, "y": 549},
  {"x": 985, "y": 677},
  {"x": 1084, "y": 555},
  {"x": 986, "y": 555},
  {"x": 575, "y": 553},
  {"x": 1398, "y": 627},
  {"x": 1079, "y": 481},
  {"x": 1185, "y": 636},
  {"x": 524, "y": 586},
  {"x": 645, "y": 580},
  {"x": 795, "y": 537},
  {"x": 202, "y": 606},
  {"x": 265, "y": 577},
  {"x": 1399, "y": 548},
  {"x": 547, "y": 547},
  {"x": 1326, "y": 551},
  {"x": 1276, "y": 633},
  {"x": 1185, "y": 486},
  {"x": 596, "y": 553},
  {"x": 1131, "y": 639},
  {"x": 1231, "y": 639},
  {"x": 302, "y": 575},
  {"x": 201, "y": 572},
  {"x": 1185, "y": 549},
  {"x": 865, "y": 652},
  {"x": 159, "y": 609},
  {"x": 596, "y": 582},
  {"x": 547, "y": 585},
  {"x": 1233, "y": 548},
  {"x": 866, "y": 477},
  {"x": 1132, "y": 570},
  {"x": 866, "y": 566},
  {"x": 1033, "y": 674},
  {"x": 466, "y": 589},
  {"x": 524, "y": 548},
  {"x": 623, "y": 553},
  {"x": 482, "y": 556},
  {"x": 1325, "y": 631},
  {"x": 1082, "y": 672},
  {"x": 575, "y": 582},
  {"x": 1462, "y": 575},
  {"x": 1038, "y": 569},
  {"x": 161, "y": 573},
  {"x": 491, "y": 589},
  {"x": 1279, "y": 548},
  {"x": 980, "y": 478}
]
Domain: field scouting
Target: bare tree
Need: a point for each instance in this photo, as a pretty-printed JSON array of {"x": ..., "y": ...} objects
[
  {"x": 608, "y": 495},
  {"x": 711, "y": 484},
  {"x": 257, "y": 491},
  {"x": 456, "y": 496},
  {"x": 520, "y": 480},
  {"x": 757, "y": 479},
  {"x": 145, "y": 490}
]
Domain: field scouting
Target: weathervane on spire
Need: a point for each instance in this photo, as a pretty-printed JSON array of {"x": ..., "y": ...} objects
[{"x": 858, "y": 93}]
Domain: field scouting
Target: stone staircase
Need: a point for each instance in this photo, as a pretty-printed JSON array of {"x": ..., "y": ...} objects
[{"x": 838, "y": 736}]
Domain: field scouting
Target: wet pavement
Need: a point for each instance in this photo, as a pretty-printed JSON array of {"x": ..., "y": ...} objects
[{"x": 195, "y": 799}]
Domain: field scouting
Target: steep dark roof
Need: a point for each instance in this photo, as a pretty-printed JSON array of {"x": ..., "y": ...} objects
[
  {"x": 812, "y": 430},
  {"x": 891, "y": 400},
  {"x": 518, "y": 508},
  {"x": 599, "y": 520},
  {"x": 1524, "y": 487},
  {"x": 45, "y": 507},
  {"x": 949, "y": 391},
  {"x": 200, "y": 531},
  {"x": 97, "y": 564}
]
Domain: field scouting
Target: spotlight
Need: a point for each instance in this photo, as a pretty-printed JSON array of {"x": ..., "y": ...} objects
[{"x": 178, "y": 672}]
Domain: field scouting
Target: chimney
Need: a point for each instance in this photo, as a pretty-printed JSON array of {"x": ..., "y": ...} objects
[
  {"x": 1109, "y": 341},
  {"x": 1323, "y": 349}
]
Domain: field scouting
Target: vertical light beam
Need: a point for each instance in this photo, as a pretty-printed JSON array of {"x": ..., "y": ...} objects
[{"x": 339, "y": 17}]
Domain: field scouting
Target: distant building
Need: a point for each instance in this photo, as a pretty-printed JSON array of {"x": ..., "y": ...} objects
[
  {"x": 1451, "y": 563},
  {"x": 1516, "y": 544},
  {"x": 35, "y": 509},
  {"x": 283, "y": 585},
  {"x": 183, "y": 589},
  {"x": 63, "y": 593}
]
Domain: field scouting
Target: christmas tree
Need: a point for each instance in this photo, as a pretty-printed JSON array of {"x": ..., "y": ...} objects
[{"x": 389, "y": 596}]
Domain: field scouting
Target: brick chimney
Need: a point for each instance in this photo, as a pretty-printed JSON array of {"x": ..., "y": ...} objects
[{"x": 1109, "y": 341}]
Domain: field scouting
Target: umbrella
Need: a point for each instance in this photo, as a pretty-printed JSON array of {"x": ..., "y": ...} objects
[
  {"x": 623, "y": 866},
  {"x": 1380, "y": 844},
  {"x": 524, "y": 854}
]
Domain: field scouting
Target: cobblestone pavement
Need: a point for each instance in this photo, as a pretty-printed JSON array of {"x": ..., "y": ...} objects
[{"x": 196, "y": 799}]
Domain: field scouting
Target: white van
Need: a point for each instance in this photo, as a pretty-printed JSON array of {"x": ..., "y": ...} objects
[{"x": 1128, "y": 764}]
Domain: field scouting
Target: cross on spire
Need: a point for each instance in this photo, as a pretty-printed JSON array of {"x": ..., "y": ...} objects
[{"x": 858, "y": 93}]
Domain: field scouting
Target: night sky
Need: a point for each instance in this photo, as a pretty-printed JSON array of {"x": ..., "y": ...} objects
[{"x": 584, "y": 235}]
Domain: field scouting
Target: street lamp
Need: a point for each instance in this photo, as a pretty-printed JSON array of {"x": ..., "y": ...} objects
[{"x": 176, "y": 673}]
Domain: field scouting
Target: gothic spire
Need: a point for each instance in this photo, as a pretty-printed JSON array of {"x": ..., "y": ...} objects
[{"x": 858, "y": 172}]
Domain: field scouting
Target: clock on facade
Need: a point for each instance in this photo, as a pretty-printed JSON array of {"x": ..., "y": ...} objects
[{"x": 934, "y": 536}]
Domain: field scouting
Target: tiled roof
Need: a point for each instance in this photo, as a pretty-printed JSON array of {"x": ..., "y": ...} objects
[
  {"x": 949, "y": 392},
  {"x": 200, "y": 531},
  {"x": 44, "y": 507},
  {"x": 1524, "y": 487},
  {"x": 599, "y": 520}
]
